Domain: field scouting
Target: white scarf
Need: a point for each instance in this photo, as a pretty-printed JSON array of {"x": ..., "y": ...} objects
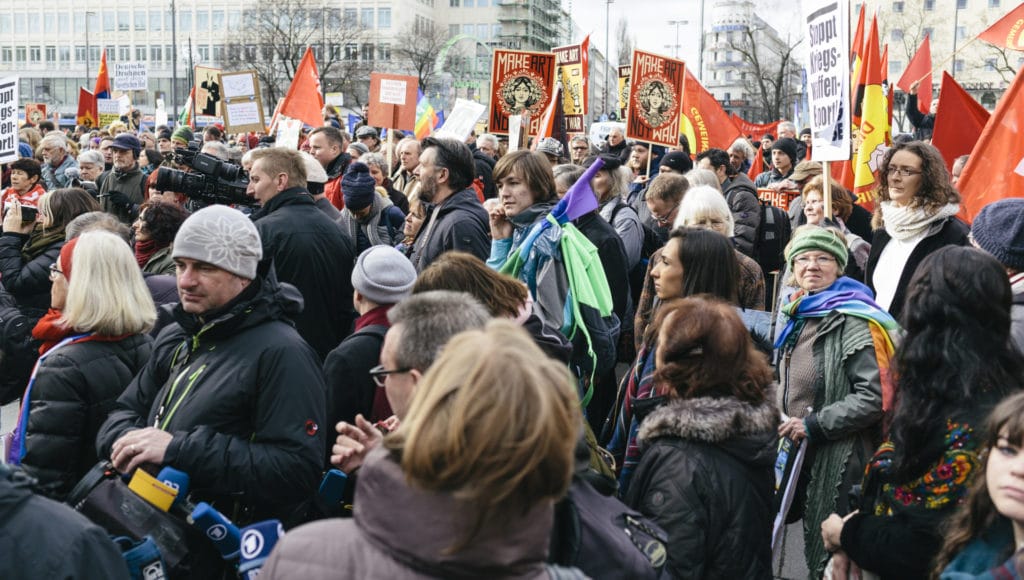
[{"x": 904, "y": 222}]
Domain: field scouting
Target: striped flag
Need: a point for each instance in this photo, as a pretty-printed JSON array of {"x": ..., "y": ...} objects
[
  {"x": 426, "y": 118},
  {"x": 185, "y": 118}
]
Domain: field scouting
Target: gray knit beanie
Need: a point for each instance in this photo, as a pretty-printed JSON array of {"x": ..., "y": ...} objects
[
  {"x": 223, "y": 237},
  {"x": 999, "y": 230},
  {"x": 383, "y": 275}
]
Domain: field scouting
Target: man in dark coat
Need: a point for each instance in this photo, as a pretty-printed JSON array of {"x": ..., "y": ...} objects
[
  {"x": 923, "y": 124},
  {"x": 122, "y": 188},
  {"x": 309, "y": 251},
  {"x": 455, "y": 219},
  {"x": 232, "y": 395},
  {"x": 739, "y": 194}
]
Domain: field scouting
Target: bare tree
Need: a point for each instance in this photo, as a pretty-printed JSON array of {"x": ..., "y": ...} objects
[
  {"x": 625, "y": 43},
  {"x": 275, "y": 35},
  {"x": 769, "y": 68},
  {"x": 418, "y": 50}
]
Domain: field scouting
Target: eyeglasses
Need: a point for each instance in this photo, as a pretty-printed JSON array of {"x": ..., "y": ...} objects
[
  {"x": 903, "y": 171},
  {"x": 379, "y": 374},
  {"x": 662, "y": 220},
  {"x": 805, "y": 261},
  {"x": 54, "y": 270},
  {"x": 581, "y": 148}
]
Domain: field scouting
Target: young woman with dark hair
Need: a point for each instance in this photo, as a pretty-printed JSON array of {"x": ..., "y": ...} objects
[{"x": 955, "y": 364}]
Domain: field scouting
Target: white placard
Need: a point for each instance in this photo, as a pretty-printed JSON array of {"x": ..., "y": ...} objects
[
  {"x": 828, "y": 78},
  {"x": 515, "y": 129},
  {"x": 288, "y": 132},
  {"x": 8, "y": 119},
  {"x": 130, "y": 76},
  {"x": 392, "y": 92},
  {"x": 124, "y": 104},
  {"x": 237, "y": 85},
  {"x": 244, "y": 113},
  {"x": 336, "y": 99},
  {"x": 459, "y": 123}
]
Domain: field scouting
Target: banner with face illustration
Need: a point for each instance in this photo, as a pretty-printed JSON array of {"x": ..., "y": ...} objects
[
  {"x": 520, "y": 82},
  {"x": 655, "y": 98},
  {"x": 624, "y": 90},
  {"x": 573, "y": 64}
]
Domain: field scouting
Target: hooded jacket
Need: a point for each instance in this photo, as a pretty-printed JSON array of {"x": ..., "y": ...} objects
[
  {"x": 335, "y": 171},
  {"x": 745, "y": 207},
  {"x": 462, "y": 224},
  {"x": 706, "y": 479},
  {"x": 400, "y": 532},
  {"x": 248, "y": 423},
  {"x": 46, "y": 539}
]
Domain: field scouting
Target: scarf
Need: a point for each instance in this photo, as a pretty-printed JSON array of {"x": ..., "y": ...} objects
[
  {"x": 376, "y": 232},
  {"x": 905, "y": 222},
  {"x": 852, "y": 299},
  {"x": 640, "y": 390},
  {"x": 144, "y": 251},
  {"x": 39, "y": 241},
  {"x": 1017, "y": 283}
]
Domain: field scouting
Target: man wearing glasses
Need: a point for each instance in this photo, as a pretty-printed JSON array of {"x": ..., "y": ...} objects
[
  {"x": 579, "y": 149},
  {"x": 56, "y": 161}
]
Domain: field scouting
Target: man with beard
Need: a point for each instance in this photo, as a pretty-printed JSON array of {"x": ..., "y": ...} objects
[
  {"x": 455, "y": 219},
  {"x": 122, "y": 188}
]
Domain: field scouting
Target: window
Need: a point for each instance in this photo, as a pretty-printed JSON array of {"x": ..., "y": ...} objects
[
  {"x": 481, "y": 31},
  {"x": 350, "y": 17},
  {"x": 202, "y": 20},
  {"x": 184, "y": 21},
  {"x": 495, "y": 31},
  {"x": 217, "y": 20},
  {"x": 351, "y": 51},
  {"x": 384, "y": 52},
  {"x": 79, "y": 54},
  {"x": 993, "y": 3},
  {"x": 366, "y": 52},
  {"x": 929, "y": 5},
  {"x": 235, "y": 18},
  {"x": 218, "y": 53},
  {"x": 155, "y": 54},
  {"x": 961, "y": 4},
  {"x": 897, "y": 34},
  {"x": 19, "y": 23},
  {"x": 895, "y": 67},
  {"x": 383, "y": 18},
  {"x": 5, "y": 23},
  {"x": 140, "y": 20},
  {"x": 49, "y": 21},
  {"x": 33, "y": 22},
  {"x": 453, "y": 3},
  {"x": 467, "y": 3},
  {"x": 65, "y": 54},
  {"x": 928, "y": 31},
  {"x": 124, "y": 21},
  {"x": 468, "y": 29},
  {"x": 94, "y": 53},
  {"x": 481, "y": 3},
  {"x": 453, "y": 30},
  {"x": 64, "y": 22},
  {"x": 897, "y": 7},
  {"x": 6, "y": 55},
  {"x": 156, "y": 20},
  {"x": 204, "y": 53},
  {"x": 51, "y": 54},
  {"x": 366, "y": 18},
  {"x": 961, "y": 32},
  {"x": 990, "y": 65},
  {"x": 35, "y": 54},
  {"x": 79, "y": 22},
  {"x": 140, "y": 53},
  {"x": 20, "y": 54},
  {"x": 124, "y": 53},
  {"x": 958, "y": 65}
]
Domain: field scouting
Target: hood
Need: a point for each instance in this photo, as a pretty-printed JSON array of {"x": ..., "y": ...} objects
[
  {"x": 744, "y": 430},
  {"x": 415, "y": 527},
  {"x": 534, "y": 213},
  {"x": 481, "y": 156},
  {"x": 15, "y": 489},
  {"x": 290, "y": 196}
]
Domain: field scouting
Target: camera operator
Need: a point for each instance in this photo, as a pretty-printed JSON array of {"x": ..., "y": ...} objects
[{"x": 122, "y": 188}]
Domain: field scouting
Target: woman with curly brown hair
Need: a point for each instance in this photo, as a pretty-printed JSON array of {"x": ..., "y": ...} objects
[{"x": 915, "y": 215}]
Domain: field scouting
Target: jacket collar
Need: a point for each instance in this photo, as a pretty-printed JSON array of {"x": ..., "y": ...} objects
[
  {"x": 290, "y": 196},
  {"x": 711, "y": 419}
]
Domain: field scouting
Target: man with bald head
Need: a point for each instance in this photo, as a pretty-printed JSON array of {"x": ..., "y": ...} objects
[
  {"x": 404, "y": 179},
  {"x": 617, "y": 145}
]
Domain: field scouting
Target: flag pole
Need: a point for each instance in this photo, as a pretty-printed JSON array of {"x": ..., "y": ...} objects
[
  {"x": 827, "y": 186},
  {"x": 650, "y": 153}
]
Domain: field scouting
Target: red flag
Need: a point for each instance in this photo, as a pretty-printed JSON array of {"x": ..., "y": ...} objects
[
  {"x": 757, "y": 130},
  {"x": 856, "y": 56},
  {"x": 1008, "y": 31},
  {"x": 86, "y": 108},
  {"x": 958, "y": 122},
  {"x": 920, "y": 66},
  {"x": 757, "y": 165},
  {"x": 303, "y": 100},
  {"x": 102, "y": 89},
  {"x": 857, "y": 46},
  {"x": 873, "y": 107},
  {"x": 547, "y": 120},
  {"x": 890, "y": 93},
  {"x": 703, "y": 121},
  {"x": 998, "y": 156}
]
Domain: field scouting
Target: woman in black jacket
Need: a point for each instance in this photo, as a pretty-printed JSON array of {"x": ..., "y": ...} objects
[
  {"x": 705, "y": 475},
  {"x": 94, "y": 342}
]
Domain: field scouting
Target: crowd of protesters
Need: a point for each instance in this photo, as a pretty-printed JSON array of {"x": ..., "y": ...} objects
[{"x": 568, "y": 361}]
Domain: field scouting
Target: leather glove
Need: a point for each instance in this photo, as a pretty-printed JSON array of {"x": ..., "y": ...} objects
[{"x": 119, "y": 200}]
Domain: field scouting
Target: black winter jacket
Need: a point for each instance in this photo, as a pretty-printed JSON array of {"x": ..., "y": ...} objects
[
  {"x": 746, "y": 211},
  {"x": 132, "y": 183},
  {"x": 462, "y": 225},
  {"x": 75, "y": 389},
  {"x": 247, "y": 416},
  {"x": 924, "y": 124},
  {"x": 28, "y": 282},
  {"x": 612, "y": 252},
  {"x": 951, "y": 233},
  {"x": 311, "y": 253},
  {"x": 350, "y": 388},
  {"x": 484, "y": 164},
  {"x": 45, "y": 539},
  {"x": 706, "y": 478}
]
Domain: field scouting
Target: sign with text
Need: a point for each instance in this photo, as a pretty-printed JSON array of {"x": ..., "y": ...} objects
[
  {"x": 109, "y": 111},
  {"x": 572, "y": 66},
  {"x": 208, "y": 95},
  {"x": 288, "y": 132},
  {"x": 623, "y": 91},
  {"x": 243, "y": 106},
  {"x": 460, "y": 121},
  {"x": 8, "y": 119},
  {"x": 130, "y": 76},
  {"x": 828, "y": 78},
  {"x": 521, "y": 82},
  {"x": 655, "y": 98},
  {"x": 780, "y": 198},
  {"x": 393, "y": 101}
]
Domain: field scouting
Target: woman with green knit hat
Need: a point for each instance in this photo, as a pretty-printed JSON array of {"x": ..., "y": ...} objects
[{"x": 833, "y": 356}]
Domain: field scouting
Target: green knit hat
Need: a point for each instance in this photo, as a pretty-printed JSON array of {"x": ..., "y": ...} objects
[
  {"x": 182, "y": 134},
  {"x": 816, "y": 238}
]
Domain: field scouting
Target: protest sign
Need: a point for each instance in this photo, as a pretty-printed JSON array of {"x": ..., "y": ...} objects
[
  {"x": 130, "y": 76},
  {"x": 573, "y": 64},
  {"x": 208, "y": 95},
  {"x": 780, "y": 198},
  {"x": 109, "y": 111},
  {"x": 288, "y": 132},
  {"x": 35, "y": 113},
  {"x": 393, "y": 101},
  {"x": 655, "y": 98},
  {"x": 335, "y": 99},
  {"x": 521, "y": 82},
  {"x": 461, "y": 120},
  {"x": 623, "y": 92},
  {"x": 8, "y": 119},
  {"x": 828, "y": 78},
  {"x": 243, "y": 106}
]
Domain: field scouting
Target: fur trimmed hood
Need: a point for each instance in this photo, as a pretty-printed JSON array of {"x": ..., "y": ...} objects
[{"x": 712, "y": 420}]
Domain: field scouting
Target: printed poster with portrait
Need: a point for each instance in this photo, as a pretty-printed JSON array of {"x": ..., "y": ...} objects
[
  {"x": 573, "y": 64},
  {"x": 208, "y": 96},
  {"x": 655, "y": 98},
  {"x": 521, "y": 82},
  {"x": 624, "y": 73}
]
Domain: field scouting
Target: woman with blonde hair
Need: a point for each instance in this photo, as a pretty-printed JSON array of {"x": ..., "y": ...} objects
[
  {"x": 94, "y": 341},
  {"x": 465, "y": 488}
]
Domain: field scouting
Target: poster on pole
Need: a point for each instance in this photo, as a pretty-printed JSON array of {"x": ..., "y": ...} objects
[
  {"x": 109, "y": 111},
  {"x": 521, "y": 82},
  {"x": 623, "y": 90},
  {"x": 35, "y": 113},
  {"x": 828, "y": 78},
  {"x": 208, "y": 96},
  {"x": 655, "y": 98},
  {"x": 393, "y": 101},
  {"x": 461, "y": 120},
  {"x": 242, "y": 106},
  {"x": 130, "y": 76},
  {"x": 573, "y": 65},
  {"x": 8, "y": 119},
  {"x": 288, "y": 132}
]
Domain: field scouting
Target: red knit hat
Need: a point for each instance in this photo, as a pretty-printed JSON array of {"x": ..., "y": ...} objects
[{"x": 65, "y": 258}]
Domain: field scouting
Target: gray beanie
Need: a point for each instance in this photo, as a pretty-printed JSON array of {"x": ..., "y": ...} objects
[
  {"x": 223, "y": 237},
  {"x": 999, "y": 230},
  {"x": 383, "y": 275}
]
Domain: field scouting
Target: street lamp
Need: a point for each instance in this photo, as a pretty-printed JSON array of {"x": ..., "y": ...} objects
[
  {"x": 88, "y": 65},
  {"x": 607, "y": 53},
  {"x": 956, "y": 33},
  {"x": 677, "y": 24}
]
